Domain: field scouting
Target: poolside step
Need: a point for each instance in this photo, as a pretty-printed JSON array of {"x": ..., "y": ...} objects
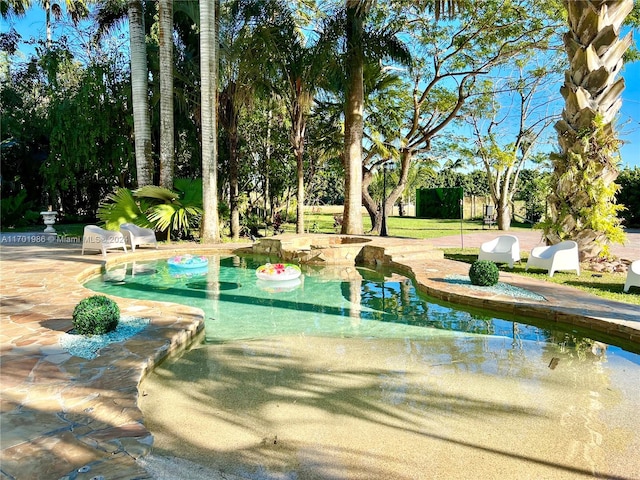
[
  {"x": 385, "y": 255},
  {"x": 405, "y": 253}
]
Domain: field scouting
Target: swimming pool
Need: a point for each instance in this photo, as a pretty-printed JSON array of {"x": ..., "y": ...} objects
[{"x": 354, "y": 375}]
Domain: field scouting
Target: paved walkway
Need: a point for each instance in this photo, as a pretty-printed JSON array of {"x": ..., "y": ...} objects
[{"x": 66, "y": 417}]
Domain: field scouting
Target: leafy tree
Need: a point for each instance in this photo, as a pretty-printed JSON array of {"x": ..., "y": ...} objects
[
  {"x": 454, "y": 56},
  {"x": 295, "y": 63},
  {"x": 503, "y": 160},
  {"x": 242, "y": 70},
  {"x": 533, "y": 190},
  {"x": 24, "y": 131},
  {"x": 629, "y": 196},
  {"x": 89, "y": 143}
]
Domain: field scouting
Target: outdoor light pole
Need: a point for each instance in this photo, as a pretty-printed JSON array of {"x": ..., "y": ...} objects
[{"x": 383, "y": 227}]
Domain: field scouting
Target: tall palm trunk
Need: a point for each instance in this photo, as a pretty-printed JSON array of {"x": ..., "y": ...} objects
[
  {"x": 165, "y": 14},
  {"x": 234, "y": 186},
  {"x": 582, "y": 203},
  {"x": 353, "y": 121},
  {"x": 208, "y": 73},
  {"x": 139, "y": 94},
  {"x": 298, "y": 132}
]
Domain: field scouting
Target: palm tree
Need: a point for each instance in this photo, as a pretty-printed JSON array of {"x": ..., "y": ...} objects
[
  {"x": 110, "y": 13},
  {"x": 300, "y": 68},
  {"x": 582, "y": 203},
  {"x": 208, "y": 72},
  {"x": 238, "y": 74},
  {"x": 76, "y": 9},
  {"x": 293, "y": 68},
  {"x": 165, "y": 37},
  {"x": 139, "y": 93},
  {"x": 353, "y": 116}
]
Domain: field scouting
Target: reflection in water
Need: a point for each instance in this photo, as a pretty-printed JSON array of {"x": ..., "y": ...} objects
[{"x": 354, "y": 375}]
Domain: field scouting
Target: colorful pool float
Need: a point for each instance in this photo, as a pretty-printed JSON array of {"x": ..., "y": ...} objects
[
  {"x": 188, "y": 265},
  {"x": 278, "y": 272}
]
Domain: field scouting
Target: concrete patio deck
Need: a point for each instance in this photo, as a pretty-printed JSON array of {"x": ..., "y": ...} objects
[{"x": 67, "y": 417}]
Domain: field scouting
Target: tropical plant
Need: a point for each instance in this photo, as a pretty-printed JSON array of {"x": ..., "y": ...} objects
[
  {"x": 89, "y": 143},
  {"x": 299, "y": 65},
  {"x": 178, "y": 211},
  {"x": 120, "y": 207},
  {"x": 582, "y": 201},
  {"x": 17, "y": 211},
  {"x": 95, "y": 315},
  {"x": 356, "y": 14},
  {"x": 454, "y": 57},
  {"x": 76, "y": 10},
  {"x": 240, "y": 71}
]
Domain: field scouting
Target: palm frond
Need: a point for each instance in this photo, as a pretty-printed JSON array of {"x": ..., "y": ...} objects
[
  {"x": 157, "y": 193},
  {"x": 120, "y": 207}
]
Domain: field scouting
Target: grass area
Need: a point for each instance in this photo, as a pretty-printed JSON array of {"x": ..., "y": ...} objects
[
  {"x": 408, "y": 227},
  {"x": 606, "y": 285}
]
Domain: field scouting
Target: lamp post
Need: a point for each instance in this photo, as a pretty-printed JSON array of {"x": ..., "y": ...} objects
[{"x": 383, "y": 226}]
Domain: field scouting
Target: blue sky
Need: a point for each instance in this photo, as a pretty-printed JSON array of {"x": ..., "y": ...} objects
[
  {"x": 629, "y": 117},
  {"x": 628, "y": 124}
]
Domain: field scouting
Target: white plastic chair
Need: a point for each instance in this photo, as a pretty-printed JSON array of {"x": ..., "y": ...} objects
[
  {"x": 136, "y": 235},
  {"x": 633, "y": 276},
  {"x": 96, "y": 238},
  {"x": 503, "y": 249},
  {"x": 561, "y": 256}
]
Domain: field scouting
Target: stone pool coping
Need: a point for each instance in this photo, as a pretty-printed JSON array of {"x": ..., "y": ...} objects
[{"x": 63, "y": 413}]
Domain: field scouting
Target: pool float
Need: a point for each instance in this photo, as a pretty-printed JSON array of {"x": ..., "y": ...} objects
[
  {"x": 278, "y": 272},
  {"x": 188, "y": 265}
]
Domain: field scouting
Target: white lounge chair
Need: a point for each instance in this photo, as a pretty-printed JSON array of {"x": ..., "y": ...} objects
[
  {"x": 96, "y": 238},
  {"x": 503, "y": 249},
  {"x": 136, "y": 235},
  {"x": 633, "y": 276},
  {"x": 561, "y": 256}
]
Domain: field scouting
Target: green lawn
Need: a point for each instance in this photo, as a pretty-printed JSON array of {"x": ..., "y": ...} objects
[{"x": 409, "y": 227}]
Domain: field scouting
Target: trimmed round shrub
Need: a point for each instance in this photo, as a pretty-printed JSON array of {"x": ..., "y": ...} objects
[
  {"x": 484, "y": 273},
  {"x": 96, "y": 315}
]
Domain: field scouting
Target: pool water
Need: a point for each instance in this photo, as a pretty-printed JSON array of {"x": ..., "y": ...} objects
[{"x": 352, "y": 374}]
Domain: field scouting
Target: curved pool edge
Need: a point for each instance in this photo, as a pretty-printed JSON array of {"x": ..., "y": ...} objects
[
  {"x": 62, "y": 412},
  {"x": 566, "y": 306},
  {"x": 85, "y": 412}
]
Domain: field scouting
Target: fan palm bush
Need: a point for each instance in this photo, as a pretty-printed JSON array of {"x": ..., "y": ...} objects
[{"x": 177, "y": 211}]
